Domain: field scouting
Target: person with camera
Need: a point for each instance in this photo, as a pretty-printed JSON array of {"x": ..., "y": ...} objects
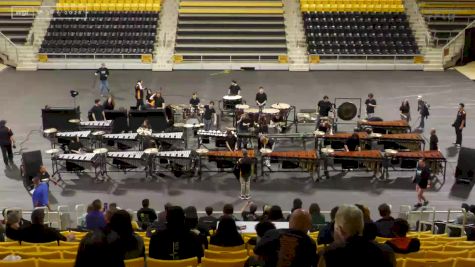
[
  {"x": 423, "y": 109},
  {"x": 7, "y": 143}
]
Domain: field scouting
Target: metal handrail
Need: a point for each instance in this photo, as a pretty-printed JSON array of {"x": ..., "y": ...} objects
[
  {"x": 420, "y": 19},
  {"x": 452, "y": 43},
  {"x": 471, "y": 25},
  {"x": 9, "y": 44}
]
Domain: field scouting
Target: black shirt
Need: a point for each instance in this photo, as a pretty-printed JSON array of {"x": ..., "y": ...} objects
[
  {"x": 248, "y": 216},
  {"x": 97, "y": 111},
  {"x": 261, "y": 98},
  {"x": 103, "y": 73},
  {"x": 226, "y": 241},
  {"x": 108, "y": 106},
  {"x": 244, "y": 124},
  {"x": 175, "y": 245},
  {"x": 461, "y": 116},
  {"x": 405, "y": 108},
  {"x": 43, "y": 176},
  {"x": 37, "y": 233},
  {"x": 146, "y": 215},
  {"x": 370, "y": 109},
  {"x": 234, "y": 89},
  {"x": 324, "y": 108},
  {"x": 5, "y": 135},
  {"x": 434, "y": 140},
  {"x": 194, "y": 101},
  {"x": 208, "y": 221},
  {"x": 287, "y": 247},
  {"x": 208, "y": 112},
  {"x": 159, "y": 102},
  {"x": 384, "y": 226},
  {"x": 245, "y": 165},
  {"x": 422, "y": 176},
  {"x": 231, "y": 140},
  {"x": 352, "y": 143}
]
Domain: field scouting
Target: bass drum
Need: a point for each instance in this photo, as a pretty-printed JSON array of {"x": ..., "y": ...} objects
[{"x": 347, "y": 111}]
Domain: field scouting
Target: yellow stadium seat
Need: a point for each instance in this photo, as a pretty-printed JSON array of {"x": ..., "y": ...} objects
[
  {"x": 119, "y": 7},
  {"x": 399, "y": 262},
  {"x": 428, "y": 263},
  {"x": 472, "y": 254},
  {"x": 66, "y": 243},
  {"x": 20, "y": 263},
  {"x": 461, "y": 243},
  {"x": 49, "y": 244},
  {"x": 432, "y": 248},
  {"x": 205, "y": 262},
  {"x": 7, "y": 244},
  {"x": 141, "y": 6},
  {"x": 451, "y": 239},
  {"x": 218, "y": 248},
  {"x": 414, "y": 255},
  {"x": 58, "y": 248},
  {"x": 461, "y": 262},
  {"x": 3, "y": 254},
  {"x": 458, "y": 248},
  {"x": 210, "y": 254},
  {"x": 70, "y": 255},
  {"x": 40, "y": 255},
  {"x": 446, "y": 254},
  {"x": 138, "y": 262},
  {"x": 55, "y": 263},
  {"x": 24, "y": 249},
  {"x": 193, "y": 262}
]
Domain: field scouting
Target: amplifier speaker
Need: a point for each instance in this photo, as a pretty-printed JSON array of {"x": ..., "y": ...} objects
[
  {"x": 465, "y": 168},
  {"x": 59, "y": 118},
  {"x": 120, "y": 120},
  {"x": 156, "y": 118},
  {"x": 31, "y": 163}
]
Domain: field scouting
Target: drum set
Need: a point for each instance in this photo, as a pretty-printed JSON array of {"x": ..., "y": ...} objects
[{"x": 277, "y": 115}]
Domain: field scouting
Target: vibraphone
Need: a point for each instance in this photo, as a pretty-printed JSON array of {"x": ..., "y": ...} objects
[
  {"x": 105, "y": 126},
  {"x": 385, "y": 127},
  {"x": 74, "y": 163},
  {"x": 408, "y": 161},
  {"x": 66, "y": 137},
  {"x": 338, "y": 140},
  {"x": 220, "y": 137},
  {"x": 401, "y": 141},
  {"x": 127, "y": 160},
  {"x": 129, "y": 140},
  {"x": 172, "y": 138},
  {"x": 370, "y": 159},
  {"x": 225, "y": 159},
  {"x": 178, "y": 162},
  {"x": 305, "y": 160}
]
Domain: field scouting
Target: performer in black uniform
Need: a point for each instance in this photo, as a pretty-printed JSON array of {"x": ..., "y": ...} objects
[
  {"x": 323, "y": 108},
  {"x": 97, "y": 111},
  {"x": 231, "y": 140},
  {"x": 139, "y": 94},
  {"x": 109, "y": 104},
  {"x": 353, "y": 143},
  {"x": 434, "y": 140},
  {"x": 7, "y": 142},
  {"x": 245, "y": 171},
  {"x": 234, "y": 88},
  {"x": 422, "y": 181},
  {"x": 194, "y": 100},
  {"x": 459, "y": 124},
  {"x": 261, "y": 98}
]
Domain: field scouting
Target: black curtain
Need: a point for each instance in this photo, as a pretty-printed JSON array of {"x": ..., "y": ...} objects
[{"x": 469, "y": 49}]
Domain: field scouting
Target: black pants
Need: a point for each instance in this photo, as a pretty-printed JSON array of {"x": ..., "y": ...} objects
[
  {"x": 458, "y": 134},
  {"x": 7, "y": 153},
  {"x": 139, "y": 104}
]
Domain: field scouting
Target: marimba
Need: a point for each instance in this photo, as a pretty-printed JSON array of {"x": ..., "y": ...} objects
[
  {"x": 338, "y": 140},
  {"x": 410, "y": 141},
  {"x": 384, "y": 127},
  {"x": 96, "y": 125},
  {"x": 225, "y": 159},
  {"x": 306, "y": 160},
  {"x": 408, "y": 160},
  {"x": 371, "y": 159}
]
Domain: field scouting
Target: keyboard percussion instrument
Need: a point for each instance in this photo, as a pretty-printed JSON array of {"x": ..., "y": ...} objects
[
  {"x": 230, "y": 101},
  {"x": 371, "y": 159},
  {"x": 96, "y": 125},
  {"x": 396, "y": 126},
  {"x": 71, "y": 135},
  {"x": 283, "y": 110},
  {"x": 67, "y": 163}
]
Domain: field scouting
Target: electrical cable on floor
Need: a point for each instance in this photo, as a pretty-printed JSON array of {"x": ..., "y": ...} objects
[{"x": 27, "y": 138}]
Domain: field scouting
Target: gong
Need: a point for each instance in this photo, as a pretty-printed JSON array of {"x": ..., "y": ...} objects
[{"x": 347, "y": 111}]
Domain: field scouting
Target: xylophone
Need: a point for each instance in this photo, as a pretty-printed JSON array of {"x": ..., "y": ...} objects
[
  {"x": 96, "y": 125},
  {"x": 183, "y": 154},
  {"x": 87, "y": 157},
  {"x": 411, "y": 141},
  {"x": 212, "y": 133},
  {"x": 127, "y": 159},
  {"x": 307, "y": 160},
  {"x": 230, "y": 154},
  {"x": 78, "y": 162},
  {"x": 371, "y": 159},
  {"x": 168, "y": 136},
  {"x": 408, "y": 160},
  {"x": 71, "y": 135},
  {"x": 301, "y": 154},
  {"x": 397, "y": 126},
  {"x": 123, "y": 139}
]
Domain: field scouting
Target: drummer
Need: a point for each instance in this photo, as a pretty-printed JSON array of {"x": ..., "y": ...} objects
[
  {"x": 243, "y": 125},
  {"x": 231, "y": 140},
  {"x": 159, "y": 101},
  {"x": 324, "y": 126},
  {"x": 263, "y": 125},
  {"x": 265, "y": 142},
  {"x": 194, "y": 101},
  {"x": 261, "y": 99},
  {"x": 353, "y": 143},
  {"x": 234, "y": 88},
  {"x": 75, "y": 146},
  {"x": 323, "y": 108},
  {"x": 210, "y": 117}
]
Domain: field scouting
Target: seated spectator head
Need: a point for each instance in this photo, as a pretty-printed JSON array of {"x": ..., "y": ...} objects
[
  {"x": 167, "y": 206},
  {"x": 113, "y": 206},
  {"x": 384, "y": 210},
  {"x": 472, "y": 209},
  {"x": 400, "y": 227},
  {"x": 296, "y": 204},
  {"x": 314, "y": 209},
  {"x": 228, "y": 209},
  {"x": 145, "y": 203},
  {"x": 300, "y": 220},
  {"x": 108, "y": 215},
  {"x": 348, "y": 223},
  {"x": 13, "y": 219},
  {"x": 333, "y": 213},
  {"x": 120, "y": 222},
  {"x": 191, "y": 217},
  {"x": 175, "y": 218},
  {"x": 366, "y": 212},
  {"x": 89, "y": 208},
  {"x": 36, "y": 180},
  {"x": 253, "y": 208},
  {"x": 227, "y": 228},
  {"x": 209, "y": 211},
  {"x": 465, "y": 206},
  {"x": 266, "y": 209},
  {"x": 370, "y": 230},
  {"x": 38, "y": 216},
  {"x": 97, "y": 205},
  {"x": 262, "y": 228},
  {"x": 275, "y": 213}
]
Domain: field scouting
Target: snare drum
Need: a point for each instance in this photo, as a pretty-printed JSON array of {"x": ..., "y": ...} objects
[
  {"x": 270, "y": 113},
  {"x": 230, "y": 101},
  {"x": 283, "y": 108}
]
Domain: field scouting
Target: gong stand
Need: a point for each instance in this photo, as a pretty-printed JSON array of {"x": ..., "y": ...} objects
[{"x": 346, "y": 110}]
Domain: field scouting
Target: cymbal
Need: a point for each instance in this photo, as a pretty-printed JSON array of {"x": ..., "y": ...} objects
[
  {"x": 202, "y": 151},
  {"x": 100, "y": 150},
  {"x": 50, "y": 130},
  {"x": 319, "y": 133},
  {"x": 98, "y": 133},
  {"x": 179, "y": 125},
  {"x": 374, "y": 135},
  {"x": 151, "y": 151},
  {"x": 327, "y": 150},
  {"x": 74, "y": 121},
  {"x": 390, "y": 151},
  {"x": 188, "y": 125},
  {"x": 230, "y": 128},
  {"x": 280, "y": 106},
  {"x": 265, "y": 150},
  {"x": 52, "y": 151}
]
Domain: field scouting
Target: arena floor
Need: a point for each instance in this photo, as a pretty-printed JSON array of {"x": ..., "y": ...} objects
[{"x": 23, "y": 94}]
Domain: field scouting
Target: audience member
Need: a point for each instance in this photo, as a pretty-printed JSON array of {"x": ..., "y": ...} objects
[
  {"x": 2, "y": 233},
  {"x": 227, "y": 234},
  {"x": 209, "y": 220},
  {"x": 265, "y": 213},
  {"x": 228, "y": 210},
  {"x": 95, "y": 219},
  {"x": 289, "y": 247},
  {"x": 100, "y": 248},
  {"x": 38, "y": 232},
  {"x": 131, "y": 244},
  {"x": 325, "y": 235},
  {"x": 318, "y": 219},
  {"x": 296, "y": 204},
  {"x": 251, "y": 214},
  {"x": 162, "y": 216},
  {"x": 350, "y": 248},
  {"x": 191, "y": 222},
  {"x": 469, "y": 214},
  {"x": 261, "y": 229},
  {"x": 40, "y": 195},
  {"x": 401, "y": 243},
  {"x": 385, "y": 224},
  {"x": 175, "y": 242},
  {"x": 14, "y": 224},
  {"x": 275, "y": 214},
  {"x": 370, "y": 230},
  {"x": 146, "y": 215}
]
